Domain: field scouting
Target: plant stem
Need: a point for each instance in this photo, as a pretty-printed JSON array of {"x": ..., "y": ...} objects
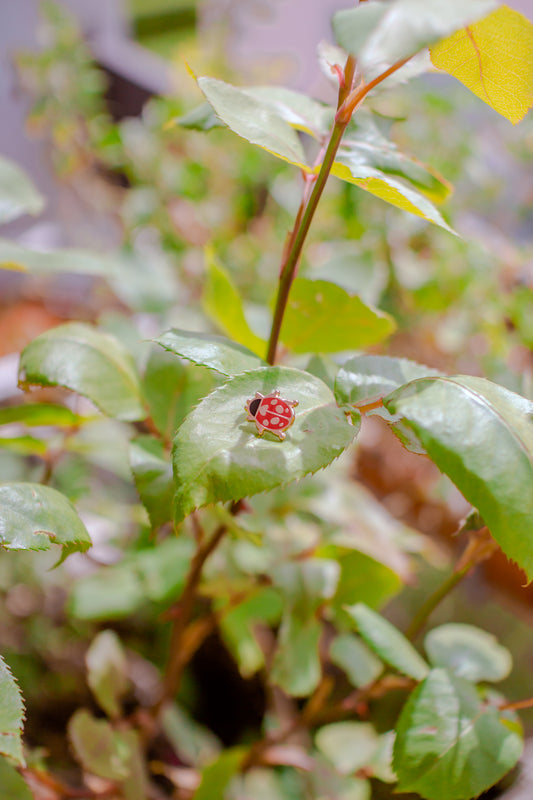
[
  {"x": 519, "y": 704},
  {"x": 184, "y": 610}
]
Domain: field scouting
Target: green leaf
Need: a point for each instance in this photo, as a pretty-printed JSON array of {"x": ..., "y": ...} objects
[
  {"x": 23, "y": 444},
  {"x": 99, "y": 749},
  {"x": 216, "y": 776},
  {"x": 136, "y": 784},
  {"x": 494, "y": 59},
  {"x": 213, "y": 352},
  {"x": 154, "y": 574},
  {"x": 193, "y": 743},
  {"x": 218, "y": 455},
  {"x": 223, "y": 304},
  {"x": 387, "y": 641},
  {"x": 450, "y": 744},
  {"x": 380, "y": 37},
  {"x": 322, "y": 317},
  {"x": 18, "y": 195},
  {"x": 237, "y": 628},
  {"x": 389, "y": 188},
  {"x": 485, "y": 446},
  {"x": 364, "y": 146},
  {"x": 358, "y": 662},
  {"x": 107, "y": 672},
  {"x": 11, "y": 717},
  {"x": 14, "y": 256},
  {"x": 201, "y": 118},
  {"x": 305, "y": 584},
  {"x": 40, "y": 414},
  {"x": 366, "y": 378},
  {"x": 253, "y": 120},
  {"x": 468, "y": 652},
  {"x": 33, "y": 517},
  {"x": 299, "y": 110},
  {"x": 296, "y": 668},
  {"x": 348, "y": 745},
  {"x": 13, "y": 785},
  {"x": 152, "y": 473},
  {"x": 86, "y": 361},
  {"x": 361, "y": 578},
  {"x": 172, "y": 388}
]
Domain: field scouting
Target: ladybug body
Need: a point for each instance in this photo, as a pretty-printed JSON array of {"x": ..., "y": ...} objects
[{"x": 271, "y": 413}]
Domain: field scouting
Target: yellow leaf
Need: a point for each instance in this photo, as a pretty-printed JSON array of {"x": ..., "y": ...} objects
[{"x": 494, "y": 59}]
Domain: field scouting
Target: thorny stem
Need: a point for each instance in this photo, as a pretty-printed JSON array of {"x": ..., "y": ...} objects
[
  {"x": 349, "y": 100},
  {"x": 480, "y": 547}
]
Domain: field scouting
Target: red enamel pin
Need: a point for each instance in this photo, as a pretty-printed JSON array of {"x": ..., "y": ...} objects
[{"x": 271, "y": 413}]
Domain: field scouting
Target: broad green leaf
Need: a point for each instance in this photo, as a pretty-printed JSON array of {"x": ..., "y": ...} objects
[
  {"x": 296, "y": 668},
  {"x": 348, "y": 745},
  {"x": 217, "y": 775},
  {"x": 18, "y": 195},
  {"x": 107, "y": 672},
  {"x": 481, "y": 436},
  {"x": 13, "y": 785},
  {"x": 11, "y": 717},
  {"x": 223, "y": 304},
  {"x": 236, "y": 628},
  {"x": 87, "y": 361},
  {"x": 299, "y": 110},
  {"x": 468, "y": 652},
  {"x": 155, "y": 574},
  {"x": 33, "y": 517},
  {"x": 253, "y": 120},
  {"x": 369, "y": 377},
  {"x": 358, "y": 662},
  {"x": 213, "y": 352},
  {"x": 40, "y": 414},
  {"x": 14, "y": 256},
  {"x": 364, "y": 145},
  {"x": 387, "y": 641},
  {"x": 450, "y": 744},
  {"x": 98, "y": 747},
  {"x": 362, "y": 578},
  {"x": 306, "y": 584},
  {"x": 322, "y": 317},
  {"x": 219, "y": 456},
  {"x": 381, "y": 36},
  {"x": 494, "y": 59},
  {"x": 152, "y": 473},
  {"x": 389, "y": 188},
  {"x": 192, "y": 742},
  {"x": 172, "y": 389}
]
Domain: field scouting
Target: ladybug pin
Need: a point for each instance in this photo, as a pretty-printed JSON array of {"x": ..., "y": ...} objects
[{"x": 271, "y": 413}]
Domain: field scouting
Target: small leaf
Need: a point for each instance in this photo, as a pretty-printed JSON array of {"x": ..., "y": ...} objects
[
  {"x": 494, "y": 59},
  {"x": 223, "y": 304},
  {"x": 348, "y": 745},
  {"x": 13, "y": 785},
  {"x": 381, "y": 36},
  {"x": 23, "y": 444},
  {"x": 450, "y": 744},
  {"x": 86, "y": 361},
  {"x": 107, "y": 672},
  {"x": 218, "y": 455},
  {"x": 33, "y": 517},
  {"x": 322, "y": 317},
  {"x": 237, "y": 625},
  {"x": 485, "y": 446},
  {"x": 389, "y": 188},
  {"x": 253, "y": 120},
  {"x": 305, "y": 584},
  {"x": 152, "y": 473},
  {"x": 369, "y": 377},
  {"x": 468, "y": 652},
  {"x": 296, "y": 668},
  {"x": 192, "y": 742},
  {"x": 18, "y": 195},
  {"x": 201, "y": 118},
  {"x": 11, "y": 717},
  {"x": 40, "y": 414},
  {"x": 213, "y": 352},
  {"x": 361, "y": 578},
  {"x": 217, "y": 775},
  {"x": 14, "y": 256},
  {"x": 387, "y": 641},
  {"x": 358, "y": 662},
  {"x": 100, "y": 749}
]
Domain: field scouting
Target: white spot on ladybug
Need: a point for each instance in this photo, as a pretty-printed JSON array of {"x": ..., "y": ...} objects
[
  {"x": 274, "y": 420},
  {"x": 279, "y": 409}
]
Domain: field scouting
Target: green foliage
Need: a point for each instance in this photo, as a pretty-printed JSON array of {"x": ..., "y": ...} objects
[
  {"x": 18, "y": 195},
  {"x": 214, "y": 352},
  {"x": 107, "y": 672},
  {"x": 451, "y": 744},
  {"x": 11, "y": 717},
  {"x": 14, "y": 787},
  {"x": 86, "y": 361},
  {"x": 218, "y": 455},
  {"x": 468, "y": 652}
]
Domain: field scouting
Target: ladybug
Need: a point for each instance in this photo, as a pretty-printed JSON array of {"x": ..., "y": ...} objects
[{"x": 271, "y": 413}]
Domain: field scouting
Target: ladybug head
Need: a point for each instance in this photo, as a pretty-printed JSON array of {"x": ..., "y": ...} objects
[{"x": 254, "y": 405}]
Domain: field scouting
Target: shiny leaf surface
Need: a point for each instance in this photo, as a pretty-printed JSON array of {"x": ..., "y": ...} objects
[
  {"x": 468, "y": 652},
  {"x": 208, "y": 350}
]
